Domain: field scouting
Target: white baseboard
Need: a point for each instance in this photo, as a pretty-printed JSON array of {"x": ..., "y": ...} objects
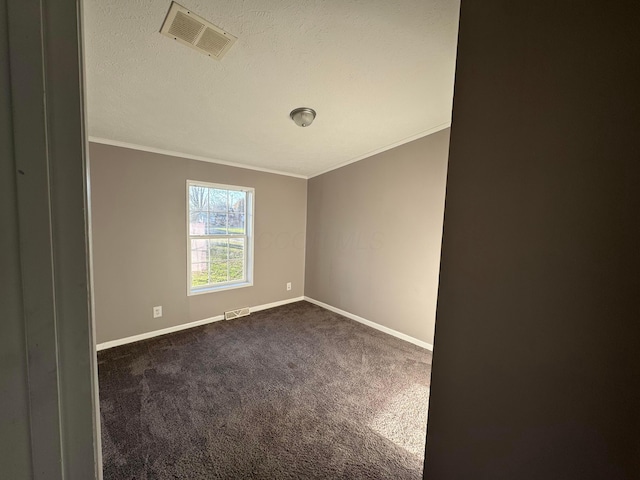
[
  {"x": 258, "y": 308},
  {"x": 371, "y": 324},
  {"x": 276, "y": 304},
  {"x": 185, "y": 326}
]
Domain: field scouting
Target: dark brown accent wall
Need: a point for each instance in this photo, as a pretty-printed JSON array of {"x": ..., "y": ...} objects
[
  {"x": 535, "y": 372},
  {"x": 15, "y": 441}
]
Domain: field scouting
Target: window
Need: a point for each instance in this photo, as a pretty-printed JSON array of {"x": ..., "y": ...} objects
[{"x": 220, "y": 235}]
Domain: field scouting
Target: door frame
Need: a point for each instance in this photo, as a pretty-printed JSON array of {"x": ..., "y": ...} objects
[{"x": 52, "y": 209}]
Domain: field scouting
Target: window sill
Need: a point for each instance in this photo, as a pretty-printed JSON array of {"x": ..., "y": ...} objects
[{"x": 220, "y": 288}]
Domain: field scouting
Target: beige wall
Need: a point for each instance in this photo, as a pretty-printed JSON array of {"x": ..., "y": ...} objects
[
  {"x": 139, "y": 240},
  {"x": 374, "y": 230}
]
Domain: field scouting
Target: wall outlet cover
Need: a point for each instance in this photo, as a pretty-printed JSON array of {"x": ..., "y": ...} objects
[{"x": 157, "y": 311}]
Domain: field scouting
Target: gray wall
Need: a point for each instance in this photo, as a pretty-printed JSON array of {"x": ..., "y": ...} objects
[
  {"x": 139, "y": 240},
  {"x": 374, "y": 230},
  {"x": 535, "y": 369}
]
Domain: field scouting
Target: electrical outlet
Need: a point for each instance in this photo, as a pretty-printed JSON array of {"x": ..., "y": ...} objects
[
  {"x": 289, "y": 286},
  {"x": 157, "y": 311}
]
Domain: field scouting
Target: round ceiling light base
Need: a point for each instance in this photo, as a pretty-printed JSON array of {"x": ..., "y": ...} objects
[{"x": 303, "y": 117}]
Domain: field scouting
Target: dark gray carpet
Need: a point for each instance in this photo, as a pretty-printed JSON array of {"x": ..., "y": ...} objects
[{"x": 292, "y": 392}]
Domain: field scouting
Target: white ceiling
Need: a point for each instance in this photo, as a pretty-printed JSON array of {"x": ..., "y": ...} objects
[{"x": 378, "y": 73}]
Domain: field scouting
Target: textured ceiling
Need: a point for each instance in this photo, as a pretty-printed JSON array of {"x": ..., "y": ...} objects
[{"x": 378, "y": 73}]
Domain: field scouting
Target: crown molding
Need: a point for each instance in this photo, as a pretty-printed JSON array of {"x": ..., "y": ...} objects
[
  {"x": 416, "y": 136},
  {"x": 145, "y": 148}
]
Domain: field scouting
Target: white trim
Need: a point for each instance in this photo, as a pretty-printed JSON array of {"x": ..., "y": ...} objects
[
  {"x": 185, "y": 326},
  {"x": 371, "y": 324},
  {"x": 92, "y": 304},
  {"x": 279, "y": 303},
  {"x": 157, "y": 333},
  {"x": 144, "y": 148},
  {"x": 424, "y": 133},
  {"x": 221, "y": 287}
]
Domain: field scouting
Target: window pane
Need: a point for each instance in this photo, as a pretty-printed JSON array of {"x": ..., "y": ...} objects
[
  {"x": 219, "y": 250},
  {"x": 236, "y": 224},
  {"x": 236, "y": 270},
  {"x": 218, "y": 272},
  {"x": 199, "y": 251},
  {"x": 237, "y": 201},
  {"x": 197, "y": 222},
  {"x": 236, "y": 249},
  {"x": 199, "y": 274},
  {"x": 218, "y": 200},
  {"x": 198, "y": 198},
  {"x": 218, "y": 212},
  {"x": 217, "y": 224},
  {"x": 198, "y": 207}
]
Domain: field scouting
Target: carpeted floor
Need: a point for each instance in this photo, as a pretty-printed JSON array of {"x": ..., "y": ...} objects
[{"x": 295, "y": 392}]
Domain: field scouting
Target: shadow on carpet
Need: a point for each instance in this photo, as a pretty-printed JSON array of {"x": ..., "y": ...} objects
[{"x": 295, "y": 392}]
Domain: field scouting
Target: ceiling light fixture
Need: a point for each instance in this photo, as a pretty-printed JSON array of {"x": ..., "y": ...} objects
[{"x": 303, "y": 116}]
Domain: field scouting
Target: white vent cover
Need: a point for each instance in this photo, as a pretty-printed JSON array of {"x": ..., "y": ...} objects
[
  {"x": 241, "y": 312},
  {"x": 193, "y": 31}
]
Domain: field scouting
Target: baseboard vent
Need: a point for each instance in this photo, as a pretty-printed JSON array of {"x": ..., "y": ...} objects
[{"x": 241, "y": 312}]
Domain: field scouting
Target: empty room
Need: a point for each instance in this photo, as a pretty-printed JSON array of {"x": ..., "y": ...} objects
[
  {"x": 267, "y": 185},
  {"x": 226, "y": 267}
]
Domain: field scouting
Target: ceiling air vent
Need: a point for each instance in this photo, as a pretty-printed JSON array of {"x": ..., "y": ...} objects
[{"x": 193, "y": 31}]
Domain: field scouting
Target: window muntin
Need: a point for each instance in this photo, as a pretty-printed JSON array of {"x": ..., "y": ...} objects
[{"x": 220, "y": 246}]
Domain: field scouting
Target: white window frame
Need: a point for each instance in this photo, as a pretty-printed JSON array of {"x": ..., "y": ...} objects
[{"x": 248, "y": 236}]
